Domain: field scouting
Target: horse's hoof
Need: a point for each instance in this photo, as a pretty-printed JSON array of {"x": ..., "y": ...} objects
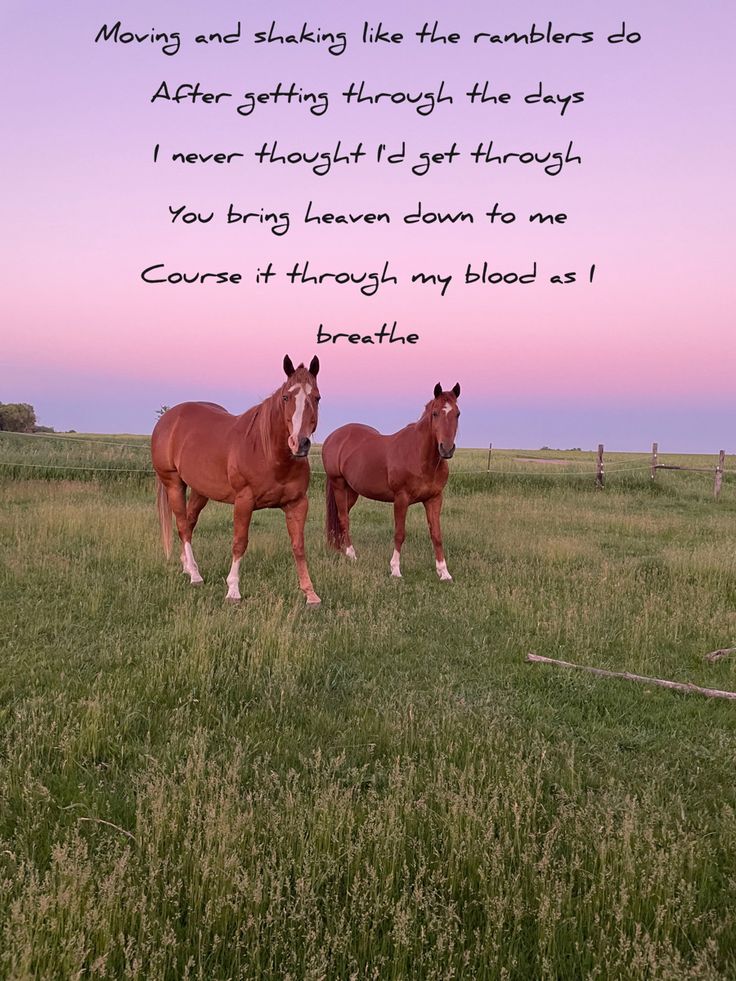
[
  {"x": 350, "y": 552},
  {"x": 197, "y": 582},
  {"x": 232, "y": 599},
  {"x": 396, "y": 575},
  {"x": 314, "y": 601}
]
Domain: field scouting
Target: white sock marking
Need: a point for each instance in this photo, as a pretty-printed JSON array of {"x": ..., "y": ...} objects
[
  {"x": 191, "y": 564},
  {"x": 442, "y": 571},
  {"x": 396, "y": 564},
  {"x": 233, "y": 581},
  {"x": 350, "y": 552}
]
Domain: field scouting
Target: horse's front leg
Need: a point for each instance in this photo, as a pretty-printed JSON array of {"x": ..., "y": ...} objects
[
  {"x": 401, "y": 506},
  {"x": 296, "y": 517},
  {"x": 433, "y": 507},
  {"x": 241, "y": 524}
]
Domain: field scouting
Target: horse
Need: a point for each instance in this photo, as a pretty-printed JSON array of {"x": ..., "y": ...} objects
[
  {"x": 254, "y": 460},
  {"x": 404, "y": 468}
]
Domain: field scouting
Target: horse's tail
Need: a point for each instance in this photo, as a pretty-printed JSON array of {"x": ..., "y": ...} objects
[
  {"x": 332, "y": 523},
  {"x": 164, "y": 516}
]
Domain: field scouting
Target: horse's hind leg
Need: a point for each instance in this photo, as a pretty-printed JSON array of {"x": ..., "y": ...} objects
[
  {"x": 195, "y": 505},
  {"x": 177, "y": 492},
  {"x": 345, "y": 498}
]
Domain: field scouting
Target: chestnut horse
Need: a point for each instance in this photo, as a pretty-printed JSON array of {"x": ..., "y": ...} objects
[
  {"x": 405, "y": 468},
  {"x": 254, "y": 460}
]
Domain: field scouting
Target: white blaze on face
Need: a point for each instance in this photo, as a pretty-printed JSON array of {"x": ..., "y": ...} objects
[
  {"x": 447, "y": 408},
  {"x": 296, "y": 419}
]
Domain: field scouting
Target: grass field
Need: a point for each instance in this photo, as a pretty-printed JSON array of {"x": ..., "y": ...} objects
[{"x": 382, "y": 788}]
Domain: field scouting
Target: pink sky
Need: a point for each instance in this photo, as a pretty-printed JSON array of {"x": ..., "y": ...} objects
[{"x": 648, "y": 346}]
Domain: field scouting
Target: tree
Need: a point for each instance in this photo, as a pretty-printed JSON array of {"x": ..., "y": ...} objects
[{"x": 17, "y": 417}]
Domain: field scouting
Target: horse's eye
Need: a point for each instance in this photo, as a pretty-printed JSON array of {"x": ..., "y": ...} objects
[
  {"x": 435, "y": 414},
  {"x": 285, "y": 398},
  {"x": 317, "y": 398}
]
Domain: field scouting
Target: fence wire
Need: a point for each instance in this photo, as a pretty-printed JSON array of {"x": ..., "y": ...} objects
[
  {"x": 64, "y": 466},
  {"x": 609, "y": 469},
  {"x": 504, "y": 473},
  {"x": 62, "y": 437}
]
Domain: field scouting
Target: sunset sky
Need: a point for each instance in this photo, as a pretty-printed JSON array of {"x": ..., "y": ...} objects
[{"x": 647, "y": 351}]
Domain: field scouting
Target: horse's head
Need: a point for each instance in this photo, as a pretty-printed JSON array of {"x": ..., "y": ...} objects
[
  {"x": 443, "y": 417},
  {"x": 300, "y": 403}
]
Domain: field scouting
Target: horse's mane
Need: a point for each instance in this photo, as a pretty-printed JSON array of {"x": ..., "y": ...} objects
[
  {"x": 425, "y": 411},
  {"x": 264, "y": 414}
]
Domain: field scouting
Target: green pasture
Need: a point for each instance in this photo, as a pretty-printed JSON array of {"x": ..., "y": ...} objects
[{"x": 383, "y": 788}]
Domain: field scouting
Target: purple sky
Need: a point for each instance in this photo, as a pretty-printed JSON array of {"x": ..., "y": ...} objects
[{"x": 645, "y": 352}]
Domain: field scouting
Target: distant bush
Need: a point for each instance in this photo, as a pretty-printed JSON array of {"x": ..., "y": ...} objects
[{"x": 554, "y": 449}]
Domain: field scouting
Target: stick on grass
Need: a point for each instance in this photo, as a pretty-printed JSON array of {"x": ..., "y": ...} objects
[
  {"x": 677, "y": 685},
  {"x": 721, "y": 652},
  {"x": 108, "y": 824}
]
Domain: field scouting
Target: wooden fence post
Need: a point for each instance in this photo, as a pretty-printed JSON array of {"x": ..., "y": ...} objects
[
  {"x": 719, "y": 474},
  {"x": 600, "y": 473},
  {"x": 490, "y": 448},
  {"x": 655, "y": 447}
]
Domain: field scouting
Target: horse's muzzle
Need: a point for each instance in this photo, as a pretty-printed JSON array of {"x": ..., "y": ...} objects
[
  {"x": 445, "y": 453},
  {"x": 305, "y": 444}
]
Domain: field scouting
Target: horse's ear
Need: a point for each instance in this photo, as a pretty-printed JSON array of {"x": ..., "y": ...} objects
[
  {"x": 288, "y": 366},
  {"x": 437, "y": 390},
  {"x": 456, "y": 390},
  {"x": 314, "y": 366}
]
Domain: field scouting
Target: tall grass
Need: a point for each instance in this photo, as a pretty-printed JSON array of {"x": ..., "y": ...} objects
[{"x": 383, "y": 788}]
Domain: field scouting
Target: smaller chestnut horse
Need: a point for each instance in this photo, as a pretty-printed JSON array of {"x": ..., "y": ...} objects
[
  {"x": 404, "y": 468},
  {"x": 254, "y": 460}
]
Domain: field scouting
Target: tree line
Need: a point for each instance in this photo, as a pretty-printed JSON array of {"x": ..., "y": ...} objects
[{"x": 20, "y": 417}]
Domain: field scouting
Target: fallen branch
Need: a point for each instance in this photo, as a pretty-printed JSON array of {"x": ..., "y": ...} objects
[
  {"x": 677, "y": 685},
  {"x": 108, "y": 824},
  {"x": 721, "y": 652}
]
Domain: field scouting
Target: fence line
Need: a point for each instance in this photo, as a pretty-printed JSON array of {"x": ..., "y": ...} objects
[
  {"x": 599, "y": 473},
  {"x": 515, "y": 473},
  {"x": 718, "y": 472},
  {"x": 507, "y": 473},
  {"x": 79, "y": 439},
  {"x": 64, "y": 466}
]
